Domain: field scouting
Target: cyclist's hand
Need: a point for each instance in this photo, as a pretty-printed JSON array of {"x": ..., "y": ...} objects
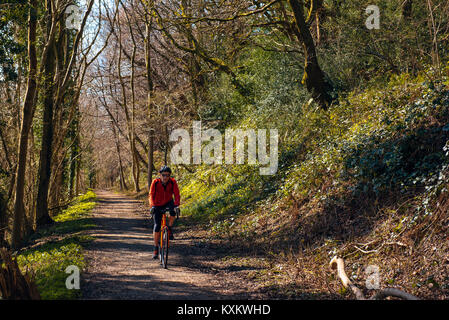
[
  {"x": 152, "y": 211},
  {"x": 177, "y": 211}
]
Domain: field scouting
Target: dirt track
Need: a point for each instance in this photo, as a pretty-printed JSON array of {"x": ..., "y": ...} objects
[{"x": 120, "y": 264}]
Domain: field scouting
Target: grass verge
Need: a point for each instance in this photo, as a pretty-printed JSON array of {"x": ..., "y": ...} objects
[{"x": 55, "y": 248}]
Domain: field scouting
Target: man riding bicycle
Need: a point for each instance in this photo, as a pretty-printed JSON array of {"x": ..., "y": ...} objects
[{"x": 161, "y": 199}]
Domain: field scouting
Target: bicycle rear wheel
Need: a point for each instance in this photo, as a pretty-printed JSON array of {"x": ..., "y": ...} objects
[{"x": 164, "y": 252}]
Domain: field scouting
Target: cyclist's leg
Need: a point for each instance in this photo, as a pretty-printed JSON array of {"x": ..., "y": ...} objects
[
  {"x": 157, "y": 225},
  {"x": 171, "y": 208}
]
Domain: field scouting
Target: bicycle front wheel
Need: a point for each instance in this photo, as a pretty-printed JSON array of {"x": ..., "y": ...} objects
[
  {"x": 160, "y": 253},
  {"x": 164, "y": 252}
]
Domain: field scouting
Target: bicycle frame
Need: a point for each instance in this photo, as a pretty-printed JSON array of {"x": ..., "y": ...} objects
[
  {"x": 164, "y": 243},
  {"x": 163, "y": 226}
]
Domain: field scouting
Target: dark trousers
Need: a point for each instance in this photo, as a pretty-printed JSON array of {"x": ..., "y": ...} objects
[{"x": 159, "y": 211}]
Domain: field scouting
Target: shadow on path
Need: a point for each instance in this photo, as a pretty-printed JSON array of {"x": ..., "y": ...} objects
[{"x": 120, "y": 264}]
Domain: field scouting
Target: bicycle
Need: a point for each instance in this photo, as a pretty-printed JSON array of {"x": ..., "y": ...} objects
[{"x": 164, "y": 242}]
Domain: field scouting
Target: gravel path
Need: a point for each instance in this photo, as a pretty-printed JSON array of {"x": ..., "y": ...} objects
[{"x": 120, "y": 264}]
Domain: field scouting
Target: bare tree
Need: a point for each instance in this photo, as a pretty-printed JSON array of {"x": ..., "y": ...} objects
[
  {"x": 28, "y": 113},
  {"x": 53, "y": 96}
]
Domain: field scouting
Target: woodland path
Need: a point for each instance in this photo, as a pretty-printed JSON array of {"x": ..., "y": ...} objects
[{"x": 120, "y": 264}]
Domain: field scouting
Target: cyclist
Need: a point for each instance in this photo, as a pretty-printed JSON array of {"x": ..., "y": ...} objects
[{"x": 161, "y": 198}]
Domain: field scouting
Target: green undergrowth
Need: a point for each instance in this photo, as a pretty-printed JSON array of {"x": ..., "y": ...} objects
[
  {"x": 374, "y": 164},
  {"x": 386, "y": 139},
  {"x": 216, "y": 193},
  {"x": 59, "y": 246}
]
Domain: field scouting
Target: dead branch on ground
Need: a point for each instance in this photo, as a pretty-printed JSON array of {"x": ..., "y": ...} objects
[{"x": 339, "y": 265}]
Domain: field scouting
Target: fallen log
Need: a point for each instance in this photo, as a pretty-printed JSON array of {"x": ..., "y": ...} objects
[{"x": 339, "y": 265}]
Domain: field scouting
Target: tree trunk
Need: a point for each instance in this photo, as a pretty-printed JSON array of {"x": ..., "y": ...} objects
[
  {"x": 166, "y": 146},
  {"x": 148, "y": 65},
  {"x": 313, "y": 75},
  {"x": 74, "y": 153},
  {"x": 3, "y": 220},
  {"x": 150, "y": 157},
  {"x": 42, "y": 215},
  {"x": 433, "y": 32},
  {"x": 6, "y": 150},
  {"x": 149, "y": 101},
  {"x": 136, "y": 166},
  {"x": 117, "y": 145},
  {"x": 27, "y": 118},
  {"x": 59, "y": 159},
  {"x": 129, "y": 121},
  {"x": 78, "y": 176}
]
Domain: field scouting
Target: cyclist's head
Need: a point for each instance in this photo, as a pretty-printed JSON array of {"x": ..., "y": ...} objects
[{"x": 165, "y": 173}]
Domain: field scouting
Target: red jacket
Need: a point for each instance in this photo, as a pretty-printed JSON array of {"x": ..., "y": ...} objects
[{"x": 160, "y": 195}]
